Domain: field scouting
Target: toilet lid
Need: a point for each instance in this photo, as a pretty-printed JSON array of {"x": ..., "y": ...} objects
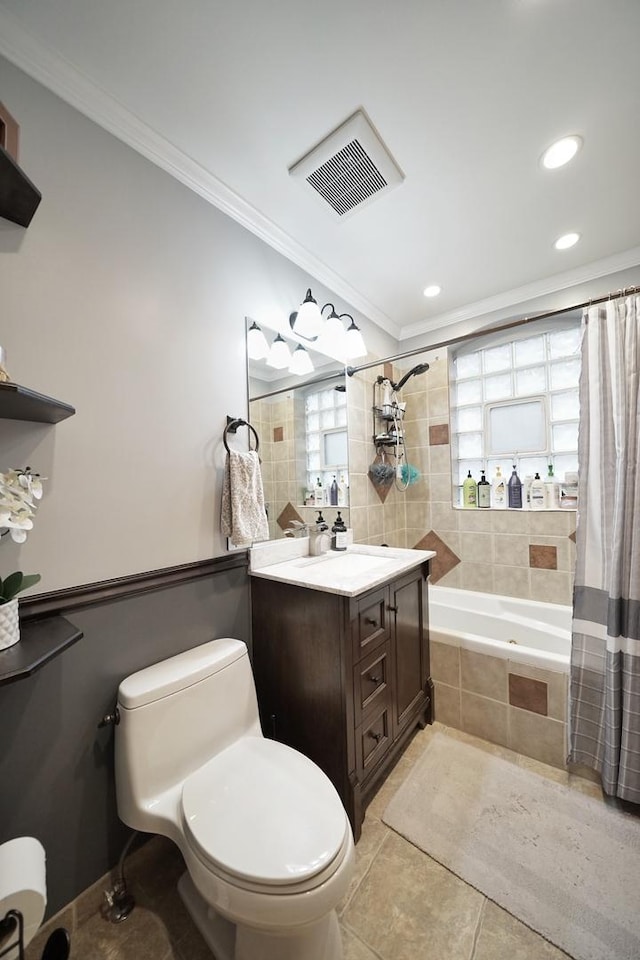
[{"x": 264, "y": 813}]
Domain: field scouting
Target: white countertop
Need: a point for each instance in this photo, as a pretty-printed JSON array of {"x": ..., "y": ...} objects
[{"x": 345, "y": 572}]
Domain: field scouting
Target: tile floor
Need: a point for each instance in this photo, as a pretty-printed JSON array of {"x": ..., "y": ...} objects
[{"x": 402, "y": 905}]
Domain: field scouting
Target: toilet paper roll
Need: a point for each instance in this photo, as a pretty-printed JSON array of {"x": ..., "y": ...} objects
[{"x": 23, "y": 884}]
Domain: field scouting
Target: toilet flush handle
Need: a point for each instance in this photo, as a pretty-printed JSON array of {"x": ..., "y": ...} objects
[{"x": 110, "y": 719}]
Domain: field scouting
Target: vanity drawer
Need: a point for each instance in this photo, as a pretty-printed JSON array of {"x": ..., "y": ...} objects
[
  {"x": 373, "y": 739},
  {"x": 372, "y": 681},
  {"x": 370, "y": 625}
]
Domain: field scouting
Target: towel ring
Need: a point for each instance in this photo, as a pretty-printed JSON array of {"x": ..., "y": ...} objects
[{"x": 232, "y": 426}]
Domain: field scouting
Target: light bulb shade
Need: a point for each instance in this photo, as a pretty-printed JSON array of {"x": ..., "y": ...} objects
[
  {"x": 279, "y": 354},
  {"x": 354, "y": 343},
  {"x": 301, "y": 362},
  {"x": 309, "y": 322},
  {"x": 257, "y": 346}
]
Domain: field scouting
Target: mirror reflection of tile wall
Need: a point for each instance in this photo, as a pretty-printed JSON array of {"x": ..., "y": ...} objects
[{"x": 279, "y": 421}]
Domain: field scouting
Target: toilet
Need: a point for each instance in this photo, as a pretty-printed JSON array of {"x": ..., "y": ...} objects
[{"x": 266, "y": 841}]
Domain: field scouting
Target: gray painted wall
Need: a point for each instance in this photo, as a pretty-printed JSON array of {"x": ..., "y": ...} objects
[
  {"x": 126, "y": 297},
  {"x": 56, "y": 767}
]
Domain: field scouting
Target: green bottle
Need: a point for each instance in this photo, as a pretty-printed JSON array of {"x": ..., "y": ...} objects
[{"x": 469, "y": 492}]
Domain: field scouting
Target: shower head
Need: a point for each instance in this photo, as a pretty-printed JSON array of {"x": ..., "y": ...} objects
[{"x": 414, "y": 372}]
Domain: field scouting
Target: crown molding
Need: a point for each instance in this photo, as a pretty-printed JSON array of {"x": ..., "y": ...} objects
[
  {"x": 530, "y": 291},
  {"x": 66, "y": 81}
]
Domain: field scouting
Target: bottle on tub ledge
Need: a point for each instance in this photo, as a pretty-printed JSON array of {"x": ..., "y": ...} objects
[
  {"x": 537, "y": 493},
  {"x": 469, "y": 492},
  {"x": 551, "y": 491},
  {"x": 333, "y": 492},
  {"x": 514, "y": 490},
  {"x": 484, "y": 492},
  {"x": 498, "y": 491}
]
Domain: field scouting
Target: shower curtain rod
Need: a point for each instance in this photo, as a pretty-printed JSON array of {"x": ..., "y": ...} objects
[{"x": 479, "y": 333}]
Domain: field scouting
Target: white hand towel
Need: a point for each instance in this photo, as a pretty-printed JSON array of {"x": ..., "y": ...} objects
[{"x": 244, "y": 518}]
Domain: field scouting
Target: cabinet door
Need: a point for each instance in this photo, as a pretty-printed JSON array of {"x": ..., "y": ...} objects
[
  {"x": 370, "y": 626},
  {"x": 409, "y": 645}
]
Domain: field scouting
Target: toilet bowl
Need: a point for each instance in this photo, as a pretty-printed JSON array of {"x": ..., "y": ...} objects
[{"x": 265, "y": 839}]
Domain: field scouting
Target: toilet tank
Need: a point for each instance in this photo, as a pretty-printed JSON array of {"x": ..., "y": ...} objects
[{"x": 174, "y": 716}]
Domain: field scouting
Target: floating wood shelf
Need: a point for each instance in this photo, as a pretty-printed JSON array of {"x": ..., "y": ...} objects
[
  {"x": 40, "y": 641},
  {"x": 20, "y": 403},
  {"x": 19, "y": 198}
]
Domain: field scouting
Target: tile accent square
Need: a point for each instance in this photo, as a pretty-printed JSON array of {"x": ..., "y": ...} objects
[
  {"x": 445, "y": 560},
  {"x": 528, "y": 694},
  {"x": 438, "y": 434},
  {"x": 543, "y": 557},
  {"x": 288, "y": 514},
  {"x": 278, "y": 434}
]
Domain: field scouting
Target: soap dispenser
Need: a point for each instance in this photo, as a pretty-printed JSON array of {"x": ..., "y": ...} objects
[
  {"x": 319, "y": 536},
  {"x": 339, "y": 531}
]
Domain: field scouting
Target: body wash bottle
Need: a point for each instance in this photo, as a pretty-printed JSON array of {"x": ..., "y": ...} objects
[
  {"x": 499, "y": 491},
  {"x": 469, "y": 492},
  {"x": 551, "y": 491},
  {"x": 514, "y": 490},
  {"x": 537, "y": 493},
  {"x": 484, "y": 491}
]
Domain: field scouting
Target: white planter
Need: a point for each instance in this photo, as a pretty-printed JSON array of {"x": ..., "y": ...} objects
[{"x": 9, "y": 624}]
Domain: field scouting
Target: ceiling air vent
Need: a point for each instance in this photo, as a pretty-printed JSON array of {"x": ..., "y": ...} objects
[{"x": 350, "y": 167}]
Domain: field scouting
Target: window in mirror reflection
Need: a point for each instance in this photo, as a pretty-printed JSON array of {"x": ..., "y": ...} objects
[{"x": 327, "y": 448}]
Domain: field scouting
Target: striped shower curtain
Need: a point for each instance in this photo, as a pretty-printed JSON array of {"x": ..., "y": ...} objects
[{"x": 605, "y": 656}]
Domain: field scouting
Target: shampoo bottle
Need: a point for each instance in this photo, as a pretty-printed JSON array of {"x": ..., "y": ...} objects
[
  {"x": 469, "y": 492},
  {"x": 514, "y": 490},
  {"x": 333, "y": 492},
  {"x": 537, "y": 493},
  {"x": 499, "y": 490},
  {"x": 319, "y": 493},
  {"x": 484, "y": 491}
]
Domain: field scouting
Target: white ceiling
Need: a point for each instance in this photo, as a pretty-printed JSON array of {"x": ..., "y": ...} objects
[{"x": 466, "y": 94}]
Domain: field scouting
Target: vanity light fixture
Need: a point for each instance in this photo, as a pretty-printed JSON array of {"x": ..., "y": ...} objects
[
  {"x": 308, "y": 320},
  {"x": 353, "y": 341},
  {"x": 310, "y": 323},
  {"x": 257, "y": 343},
  {"x": 301, "y": 362},
  {"x": 561, "y": 152},
  {"x": 279, "y": 354},
  {"x": 566, "y": 241},
  {"x": 432, "y": 291}
]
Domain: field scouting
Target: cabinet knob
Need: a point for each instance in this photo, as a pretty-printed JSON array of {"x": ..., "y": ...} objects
[
  {"x": 372, "y": 621},
  {"x": 392, "y": 609},
  {"x": 373, "y": 679},
  {"x": 376, "y": 736}
]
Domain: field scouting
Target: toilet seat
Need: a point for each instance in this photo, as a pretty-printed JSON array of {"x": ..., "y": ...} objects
[{"x": 265, "y": 818}]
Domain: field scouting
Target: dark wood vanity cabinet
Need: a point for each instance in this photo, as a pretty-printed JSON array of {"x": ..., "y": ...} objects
[{"x": 345, "y": 680}]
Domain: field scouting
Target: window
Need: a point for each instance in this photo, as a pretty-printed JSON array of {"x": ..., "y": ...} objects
[
  {"x": 325, "y": 417},
  {"x": 516, "y": 402}
]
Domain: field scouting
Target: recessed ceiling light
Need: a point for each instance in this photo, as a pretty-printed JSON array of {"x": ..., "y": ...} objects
[
  {"x": 432, "y": 291},
  {"x": 561, "y": 152},
  {"x": 566, "y": 241}
]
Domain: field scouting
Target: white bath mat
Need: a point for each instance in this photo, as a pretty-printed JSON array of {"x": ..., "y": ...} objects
[{"x": 565, "y": 864}]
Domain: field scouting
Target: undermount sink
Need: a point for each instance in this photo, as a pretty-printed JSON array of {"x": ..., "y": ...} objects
[{"x": 346, "y": 564}]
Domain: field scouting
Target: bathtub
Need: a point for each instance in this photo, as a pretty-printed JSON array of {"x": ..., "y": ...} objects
[
  {"x": 500, "y": 668},
  {"x": 523, "y": 631}
]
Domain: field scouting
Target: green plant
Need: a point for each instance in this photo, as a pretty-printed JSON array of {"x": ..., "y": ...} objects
[{"x": 14, "y": 583}]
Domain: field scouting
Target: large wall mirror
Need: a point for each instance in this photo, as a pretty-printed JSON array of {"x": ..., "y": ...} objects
[{"x": 302, "y": 423}]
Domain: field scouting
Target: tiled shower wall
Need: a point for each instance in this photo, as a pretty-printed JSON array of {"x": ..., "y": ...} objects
[{"x": 517, "y": 553}]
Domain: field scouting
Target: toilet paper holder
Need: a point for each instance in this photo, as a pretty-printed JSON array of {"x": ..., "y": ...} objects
[
  {"x": 12, "y": 921},
  {"x": 57, "y": 947}
]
